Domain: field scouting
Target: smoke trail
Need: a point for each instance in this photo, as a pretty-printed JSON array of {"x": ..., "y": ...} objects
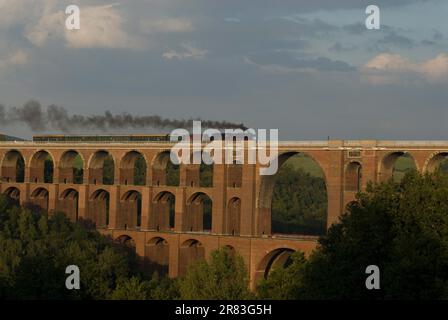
[{"x": 57, "y": 118}]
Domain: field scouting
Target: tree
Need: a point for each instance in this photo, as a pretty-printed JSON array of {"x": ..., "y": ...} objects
[
  {"x": 131, "y": 289},
  {"x": 35, "y": 249},
  {"x": 223, "y": 278},
  {"x": 284, "y": 283},
  {"x": 400, "y": 227},
  {"x": 299, "y": 202}
]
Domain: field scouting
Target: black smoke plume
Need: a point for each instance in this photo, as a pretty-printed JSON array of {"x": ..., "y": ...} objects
[{"x": 54, "y": 117}]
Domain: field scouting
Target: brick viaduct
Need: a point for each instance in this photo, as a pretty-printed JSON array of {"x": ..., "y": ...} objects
[{"x": 139, "y": 215}]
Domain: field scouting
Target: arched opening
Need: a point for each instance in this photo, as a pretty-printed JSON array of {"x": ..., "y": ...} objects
[
  {"x": 198, "y": 213},
  {"x": 13, "y": 195},
  {"x": 438, "y": 163},
  {"x": 278, "y": 258},
  {"x": 189, "y": 252},
  {"x": 101, "y": 168},
  {"x": 163, "y": 206},
  {"x": 157, "y": 254},
  {"x": 42, "y": 167},
  {"x": 230, "y": 249},
  {"x": 353, "y": 176},
  {"x": 68, "y": 204},
  {"x": 395, "y": 165},
  {"x": 233, "y": 217},
  {"x": 349, "y": 206},
  {"x": 99, "y": 208},
  {"x": 13, "y": 167},
  {"x": 71, "y": 168},
  {"x": 234, "y": 175},
  {"x": 133, "y": 169},
  {"x": 127, "y": 241},
  {"x": 39, "y": 197},
  {"x": 294, "y": 200},
  {"x": 165, "y": 172},
  {"x": 206, "y": 175},
  {"x": 199, "y": 175},
  {"x": 130, "y": 214}
]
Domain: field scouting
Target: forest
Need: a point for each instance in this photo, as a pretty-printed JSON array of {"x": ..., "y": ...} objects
[{"x": 401, "y": 227}]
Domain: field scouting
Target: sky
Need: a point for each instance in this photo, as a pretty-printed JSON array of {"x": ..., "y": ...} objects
[{"x": 308, "y": 68}]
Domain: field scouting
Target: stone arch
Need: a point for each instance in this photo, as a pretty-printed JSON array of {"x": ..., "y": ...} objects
[
  {"x": 40, "y": 198},
  {"x": 71, "y": 167},
  {"x": 198, "y": 213},
  {"x": 68, "y": 203},
  {"x": 199, "y": 174},
  {"x": 133, "y": 167},
  {"x": 267, "y": 184},
  {"x": 351, "y": 204},
  {"x": 41, "y": 167},
  {"x": 277, "y": 258},
  {"x": 99, "y": 204},
  {"x": 130, "y": 214},
  {"x": 101, "y": 168},
  {"x": 230, "y": 249},
  {"x": 432, "y": 164},
  {"x": 126, "y": 241},
  {"x": 388, "y": 165},
  {"x": 164, "y": 171},
  {"x": 353, "y": 176},
  {"x": 190, "y": 251},
  {"x": 233, "y": 217},
  {"x": 13, "y": 195},
  {"x": 163, "y": 211},
  {"x": 157, "y": 254},
  {"x": 13, "y": 167}
]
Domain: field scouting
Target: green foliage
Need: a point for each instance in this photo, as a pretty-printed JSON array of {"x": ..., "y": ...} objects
[
  {"x": 35, "y": 250},
  {"x": 223, "y": 278},
  {"x": 284, "y": 283},
  {"x": 140, "y": 171},
  {"x": 157, "y": 288},
  {"x": 108, "y": 170},
  {"x": 206, "y": 175},
  {"x": 299, "y": 202},
  {"x": 20, "y": 170},
  {"x": 172, "y": 174},
  {"x": 402, "y": 228},
  {"x": 131, "y": 289},
  {"x": 402, "y": 165},
  {"x": 48, "y": 170},
  {"x": 78, "y": 171}
]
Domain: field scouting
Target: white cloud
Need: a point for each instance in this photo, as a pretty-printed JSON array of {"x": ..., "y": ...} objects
[
  {"x": 188, "y": 52},
  {"x": 16, "y": 58},
  {"x": 101, "y": 27},
  {"x": 166, "y": 25},
  {"x": 389, "y": 68}
]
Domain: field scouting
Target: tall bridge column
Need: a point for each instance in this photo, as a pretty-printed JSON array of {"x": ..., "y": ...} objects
[
  {"x": 114, "y": 206},
  {"x": 334, "y": 175},
  {"x": 219, "y": 196},
  {"x": 82, "y": 201},
  {"x": 179, "y": 210},
  {"x": 146, "y": 207},
  {"x": 248, "y": 200}
]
